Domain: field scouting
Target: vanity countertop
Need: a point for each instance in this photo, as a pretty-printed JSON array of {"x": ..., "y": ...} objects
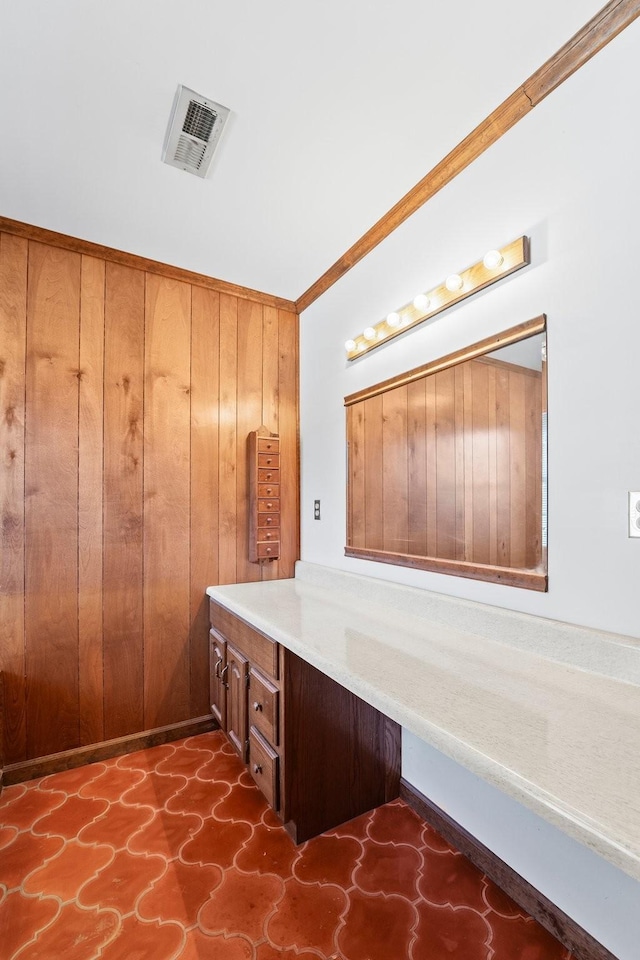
[{"x": 546, "y": 711}]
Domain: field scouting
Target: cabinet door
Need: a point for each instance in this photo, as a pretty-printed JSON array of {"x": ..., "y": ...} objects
[
  {"x": 236, "y": 677},
  {"x": 217, "y": 676}
]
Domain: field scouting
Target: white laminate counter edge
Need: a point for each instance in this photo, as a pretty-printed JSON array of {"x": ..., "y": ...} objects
[{"x": 346, "y": 625}]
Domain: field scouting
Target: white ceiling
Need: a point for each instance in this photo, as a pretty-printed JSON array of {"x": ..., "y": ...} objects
[{"x": 338, "y": 108}]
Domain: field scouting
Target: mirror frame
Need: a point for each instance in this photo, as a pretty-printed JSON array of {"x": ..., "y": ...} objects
[{"x": 528, "y": 578}]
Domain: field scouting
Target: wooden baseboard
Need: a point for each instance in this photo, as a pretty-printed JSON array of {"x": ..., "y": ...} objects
[
  {"x": 56, "y": 762},
  {"x": 582, "y": 945}
]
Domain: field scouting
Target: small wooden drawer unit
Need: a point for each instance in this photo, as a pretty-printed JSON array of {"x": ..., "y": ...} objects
[
  {"x": 319, "y": 754},
  {"x": 263, "y": 451}
]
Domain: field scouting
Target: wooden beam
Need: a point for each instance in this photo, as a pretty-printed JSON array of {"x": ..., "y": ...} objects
[
  {"x": 603, "y": 27},
  {"x": 30, "y": 232}
]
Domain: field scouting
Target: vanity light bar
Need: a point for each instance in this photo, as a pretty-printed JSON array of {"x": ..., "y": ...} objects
[{"x": 458, "y": 286}]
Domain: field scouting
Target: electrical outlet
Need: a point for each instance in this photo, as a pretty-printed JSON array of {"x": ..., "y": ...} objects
[
  {"x": 634, "y": 513},
  {"x": 316, "y": 511}
]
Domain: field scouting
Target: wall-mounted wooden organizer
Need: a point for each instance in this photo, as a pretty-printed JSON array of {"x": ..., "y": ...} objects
[{"x": 264, "y": 495}]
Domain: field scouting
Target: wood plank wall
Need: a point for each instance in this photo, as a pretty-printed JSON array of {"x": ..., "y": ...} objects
[
  {"x": 449, "y": 466},
  {"x": 126, "y": 398}
]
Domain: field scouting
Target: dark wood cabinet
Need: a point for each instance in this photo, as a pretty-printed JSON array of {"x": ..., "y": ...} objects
[
  {"x": 319, "y": 753},
  {"x": 217, "y": 677}
]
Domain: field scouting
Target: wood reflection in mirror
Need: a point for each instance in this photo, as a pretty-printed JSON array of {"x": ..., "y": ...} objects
[{"x": 445, "y": 465}]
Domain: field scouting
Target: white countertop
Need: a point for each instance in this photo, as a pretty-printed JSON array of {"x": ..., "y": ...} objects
[{"x": 546, "y": 711}]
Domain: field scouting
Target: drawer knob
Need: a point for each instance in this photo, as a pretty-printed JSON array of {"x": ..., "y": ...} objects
[
  {"x": 257, "y": 768},
  {"x": 269, "y": 519},
  {"x": 269, "y": 506},
  {"x": 257, "y": 706},
  {"x": 269, "y": 476}
]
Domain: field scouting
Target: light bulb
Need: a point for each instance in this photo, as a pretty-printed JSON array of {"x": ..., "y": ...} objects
[
  {"x": 349, "y": 345},
  {"x": 393, "y": 319},
  {"x": 370, "y": 333},
  {"x": 493, "y": 259},
  {"x": 421, "y": 302},
  {"x": 453, "y": 282}
]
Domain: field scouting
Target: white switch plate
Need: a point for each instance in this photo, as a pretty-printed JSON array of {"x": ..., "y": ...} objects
[{"x": 634, "y": 513}]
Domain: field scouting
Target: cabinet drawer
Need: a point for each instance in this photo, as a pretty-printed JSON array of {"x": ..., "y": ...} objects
[
  {"x": 268, "y": 444},
  {"x": 263, "y": 767},
  {"x": 268, "y": 534},
  {"x": 268, "y": 519},
  {"x": 270, "y": 505},
  {"x": 263, "y": 705},
  {"x": 268, "y": 490},
  {"x": 268, "y": 548},
  {"x": 268, "y": 475},
  {"x": 259, "y": 649},
  {"x": 269, "y": 460}
]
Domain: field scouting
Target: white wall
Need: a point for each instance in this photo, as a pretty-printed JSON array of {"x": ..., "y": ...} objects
[{"x": 567, "y": 177}]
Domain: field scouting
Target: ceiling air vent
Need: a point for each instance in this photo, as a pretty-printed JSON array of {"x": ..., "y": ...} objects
[{"x": 194, "y": 131}]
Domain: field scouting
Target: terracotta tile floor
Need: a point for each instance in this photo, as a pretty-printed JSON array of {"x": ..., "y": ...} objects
[{"x": 173, "y": 853}]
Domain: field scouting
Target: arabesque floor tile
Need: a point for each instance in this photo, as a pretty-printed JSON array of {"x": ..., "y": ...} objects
[{"x": 172, "y": 853}]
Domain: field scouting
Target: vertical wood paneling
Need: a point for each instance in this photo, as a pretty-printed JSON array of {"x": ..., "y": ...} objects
[
  {"x": 13, "y": 312},
  {"x": 431, "y": 453},
  {"x": 167, "y": 419},
  {"x": 517, "y": 419},
  {"x": 356, "y": 485},
  {"x": 395, "y": 513},
  {"x": 271, "y": 403},
  {"x": 90, "y": 467},
  {"x": 205, "y": 387},
  {"x": 446, "y": 464},
  {"x": 51, "y": 487},
  {"x": 288, "y": 367},
  {"x": 123, "y": 476},
  {"x": 373, "y": 466},
  {"x": 227, "y": 439},
  {"x": 480, "y": 462},
  {"x": 458, "y": 419},
  {"x": 533, "y": 447},
  {"x": 417, "y": 467},
  {"x": 503, "y": 468},
  {"x": 138, "y": 394},
  {"x": 449, "y": 466},
  {"x": 249, "y": 417}
]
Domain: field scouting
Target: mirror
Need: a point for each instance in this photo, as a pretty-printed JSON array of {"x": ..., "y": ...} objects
[{"x": 446, "y": 465}]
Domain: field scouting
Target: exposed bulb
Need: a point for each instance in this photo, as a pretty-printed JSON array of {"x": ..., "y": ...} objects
[
  {"x": 453, "y": 282},
  {"x": 349, "y": 345},
  {"x": 421, "y": 302},
  {"x": 370, "y": 333},
  {"x": 493, "y": 259},
  {"x": 393, "y": 319}
]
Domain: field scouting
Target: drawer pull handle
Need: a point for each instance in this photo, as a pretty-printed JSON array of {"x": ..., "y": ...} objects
[
  {"x": 223, "y": 675},
  {"x": 257, "y": 768},
  {"x": 257, "y": 706},
  {"x": 217, "y": 668}
]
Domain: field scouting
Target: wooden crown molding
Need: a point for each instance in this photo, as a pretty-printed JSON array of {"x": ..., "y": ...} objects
[
  {"x": 614, "y": 17},
  {"x": 30, "y": 232}
]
